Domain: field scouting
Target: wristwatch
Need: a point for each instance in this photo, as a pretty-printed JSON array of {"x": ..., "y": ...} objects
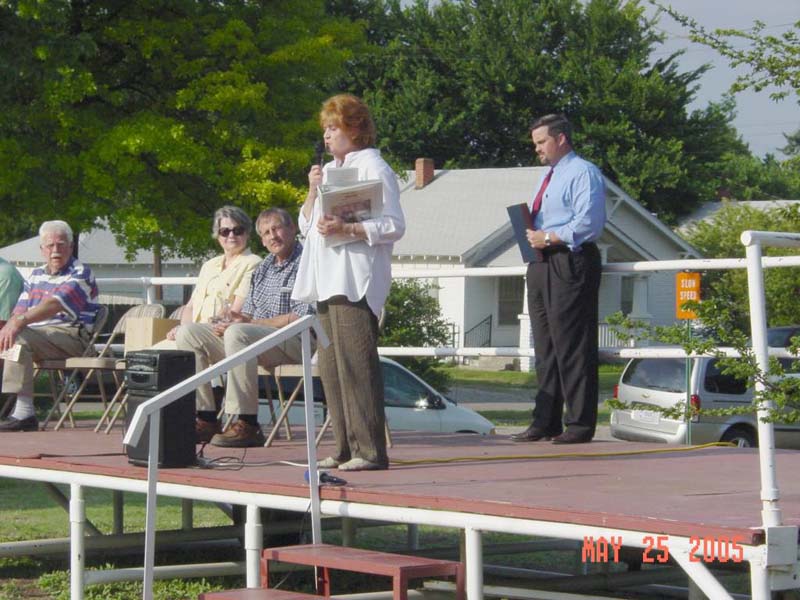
[
  {"x": 20, "y": 317},
  {"x": 547, "y": 240}
]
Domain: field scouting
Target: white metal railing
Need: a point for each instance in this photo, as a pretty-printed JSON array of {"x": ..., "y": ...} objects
[
  {"x": 149, "y": 412},
  {"x": 753, "y": 242},
  {"x": 148, "y": 284}
]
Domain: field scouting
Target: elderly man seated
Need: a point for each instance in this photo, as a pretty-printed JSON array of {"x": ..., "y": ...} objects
[
  {"x": 52, "y": 319},
  {"x": 267, "y": 308}
]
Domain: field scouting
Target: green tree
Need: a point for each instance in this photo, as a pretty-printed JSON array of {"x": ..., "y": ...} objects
[
  {"x": 719, "y": 238},
  {"x": 412, "y": 318},
  {"x": 460, "y": 81},
  {"x": 771, "y": 61},
  {"x": 151, "y": 114}
]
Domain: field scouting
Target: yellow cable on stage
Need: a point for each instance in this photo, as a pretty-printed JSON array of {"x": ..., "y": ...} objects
[{"x": 427, "y": 461}]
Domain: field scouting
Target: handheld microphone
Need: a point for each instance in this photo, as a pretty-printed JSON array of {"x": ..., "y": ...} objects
[
  {"x": 323, "y": 477},
  {"x": 319, "y": 152}
]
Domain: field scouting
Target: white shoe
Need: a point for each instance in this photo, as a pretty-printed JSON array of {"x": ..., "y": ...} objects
[
  {"x": 361, "y": 464},
  {"x": 328, "y": 463}
]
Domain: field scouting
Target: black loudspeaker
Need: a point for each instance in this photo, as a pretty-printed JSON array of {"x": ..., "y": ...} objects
[{"x": 148, "y": 373}]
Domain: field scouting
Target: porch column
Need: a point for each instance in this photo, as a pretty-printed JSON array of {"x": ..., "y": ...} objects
[
  {"x": 526, "y": 363},
  {"x": 639, "y": 309}
]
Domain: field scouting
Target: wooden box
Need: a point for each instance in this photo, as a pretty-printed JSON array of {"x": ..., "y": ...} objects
[{"x": 144, "y": 332}]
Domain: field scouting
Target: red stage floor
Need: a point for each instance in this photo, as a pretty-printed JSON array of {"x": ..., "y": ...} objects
[{"x": 708, "y": 492}]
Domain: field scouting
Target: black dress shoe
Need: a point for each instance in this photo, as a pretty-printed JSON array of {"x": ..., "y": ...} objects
[
  {"x": 531, "y": 434},
  {"x": 570, "y": 437},
  {"x": 13, "y": 424}
]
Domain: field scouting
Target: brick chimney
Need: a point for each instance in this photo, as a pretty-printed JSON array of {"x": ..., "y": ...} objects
[{"x": 424, "y": 171}]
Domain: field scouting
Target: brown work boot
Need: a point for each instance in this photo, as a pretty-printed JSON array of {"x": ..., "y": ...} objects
[
  {"x": 205, "y": 430},
  {"x": 240, "y": 435}
]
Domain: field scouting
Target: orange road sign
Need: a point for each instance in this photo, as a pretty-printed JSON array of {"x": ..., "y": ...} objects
[{"x": 687, "y": 288}]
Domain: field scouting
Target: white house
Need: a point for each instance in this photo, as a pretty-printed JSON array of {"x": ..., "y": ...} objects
[{"x": 457, "y": 219}]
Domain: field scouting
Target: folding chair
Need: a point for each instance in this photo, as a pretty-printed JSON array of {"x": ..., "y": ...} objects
[
  {"x": 104, "y": 363},
  {"x": 56, "y": 369}
]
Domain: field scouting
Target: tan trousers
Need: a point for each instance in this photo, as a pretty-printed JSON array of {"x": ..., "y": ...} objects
[
  {"x": 241, "y": 396},
  {"x": 352, "y": 379},
  {"x": 41, "y": 343}
]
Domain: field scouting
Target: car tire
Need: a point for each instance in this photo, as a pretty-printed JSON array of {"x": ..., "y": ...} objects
[{"x": 743, "y": 438}]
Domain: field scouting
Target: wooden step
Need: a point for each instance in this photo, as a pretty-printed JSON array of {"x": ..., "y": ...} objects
[
  {"x": 257, "y": 594},
  {"x": 400, "y": 567}
]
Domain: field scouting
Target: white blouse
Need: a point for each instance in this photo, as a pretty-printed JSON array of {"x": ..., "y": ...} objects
[{"x": 358, "y": 269}]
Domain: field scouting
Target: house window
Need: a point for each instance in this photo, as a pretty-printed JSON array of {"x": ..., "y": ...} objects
[
  {"x": 626, "y": 295},
  {"x": 510, "y": 296}
]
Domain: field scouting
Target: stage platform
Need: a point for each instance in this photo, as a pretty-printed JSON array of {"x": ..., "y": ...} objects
[{"x": 634, "y": 491}]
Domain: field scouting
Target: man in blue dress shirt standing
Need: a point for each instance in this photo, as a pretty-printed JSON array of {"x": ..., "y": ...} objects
[{"x": 563, "y": 287}]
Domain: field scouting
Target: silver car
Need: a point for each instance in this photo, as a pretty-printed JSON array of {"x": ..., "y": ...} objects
[{"x": 649, "y": 384}]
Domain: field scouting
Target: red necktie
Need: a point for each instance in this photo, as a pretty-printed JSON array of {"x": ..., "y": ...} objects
[{"x": 537, "y": 202}]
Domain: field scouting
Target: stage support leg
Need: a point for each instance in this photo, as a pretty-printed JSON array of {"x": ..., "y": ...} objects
[
  {"x": 187, "y": 514},
  {"x": 77, "y": 556},
  {"x": 759, "y": 581},
  {"x": 118, "y": 506},
  {"x": 253, "y": 545},
  {"x": 701, "y": 577},
  {"x": 413, "y": 536},
  {"x": 349, "y": 530},
  {"x": 473, "y": 561}
]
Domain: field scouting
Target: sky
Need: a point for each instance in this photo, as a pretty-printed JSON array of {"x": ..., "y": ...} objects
[{"x": 760, "y": 120}]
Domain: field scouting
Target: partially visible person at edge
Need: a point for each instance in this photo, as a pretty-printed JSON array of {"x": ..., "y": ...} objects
[
  {"x": 11, "y": 284},
  {"x": 350, "y": 283},
  {"x": 563, "y": 287},
  {"x": 224, "y": 280},
  {"x": 53, "y": 319},
  {"x": 267, "y": 308}
]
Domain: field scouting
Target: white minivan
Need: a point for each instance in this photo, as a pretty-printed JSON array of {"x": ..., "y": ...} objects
[{"x": 649, "y": 384}]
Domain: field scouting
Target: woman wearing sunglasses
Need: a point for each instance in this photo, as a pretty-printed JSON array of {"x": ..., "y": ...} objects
[{"x": 224, "y": 280}]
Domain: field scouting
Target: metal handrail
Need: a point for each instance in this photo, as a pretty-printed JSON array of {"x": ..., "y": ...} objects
[
  {"x": 480, "y": 335},
  {"x": 151, "y": 410}
]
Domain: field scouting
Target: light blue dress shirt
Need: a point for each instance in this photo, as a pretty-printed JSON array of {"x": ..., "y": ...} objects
[{"x": 574, "y": 203}]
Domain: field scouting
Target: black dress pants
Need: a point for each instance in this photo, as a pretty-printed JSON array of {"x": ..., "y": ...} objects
[{"x": 563, "y": 295}]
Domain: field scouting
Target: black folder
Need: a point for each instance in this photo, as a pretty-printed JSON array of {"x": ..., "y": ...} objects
[{"x": 521, "y": 221}]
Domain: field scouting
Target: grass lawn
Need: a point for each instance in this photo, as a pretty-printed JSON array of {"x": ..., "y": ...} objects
[{"x": 609, "y": 375}]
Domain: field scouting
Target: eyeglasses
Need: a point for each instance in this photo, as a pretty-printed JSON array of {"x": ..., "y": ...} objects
[{"x": 237, "y": 231}]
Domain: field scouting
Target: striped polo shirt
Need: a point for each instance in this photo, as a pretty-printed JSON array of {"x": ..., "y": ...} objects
[{"x": 73, "y": 286}]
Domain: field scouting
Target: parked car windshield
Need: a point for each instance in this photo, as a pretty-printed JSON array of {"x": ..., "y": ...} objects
[
  {"x": 401, "y": 389},
  {"x": 665, "y": 374}
]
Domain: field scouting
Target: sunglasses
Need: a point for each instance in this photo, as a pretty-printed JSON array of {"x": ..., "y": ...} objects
[{"x": 237, "y": 231}]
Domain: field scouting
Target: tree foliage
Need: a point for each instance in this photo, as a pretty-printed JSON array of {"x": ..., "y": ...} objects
[
  {"x": 413, "y": 319},
  {"x": 719, "y": 238},
  {"x": 151, "y": 114},
  {"x": 771, "y": 60},
  {"x": 460, "y": 81}
]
